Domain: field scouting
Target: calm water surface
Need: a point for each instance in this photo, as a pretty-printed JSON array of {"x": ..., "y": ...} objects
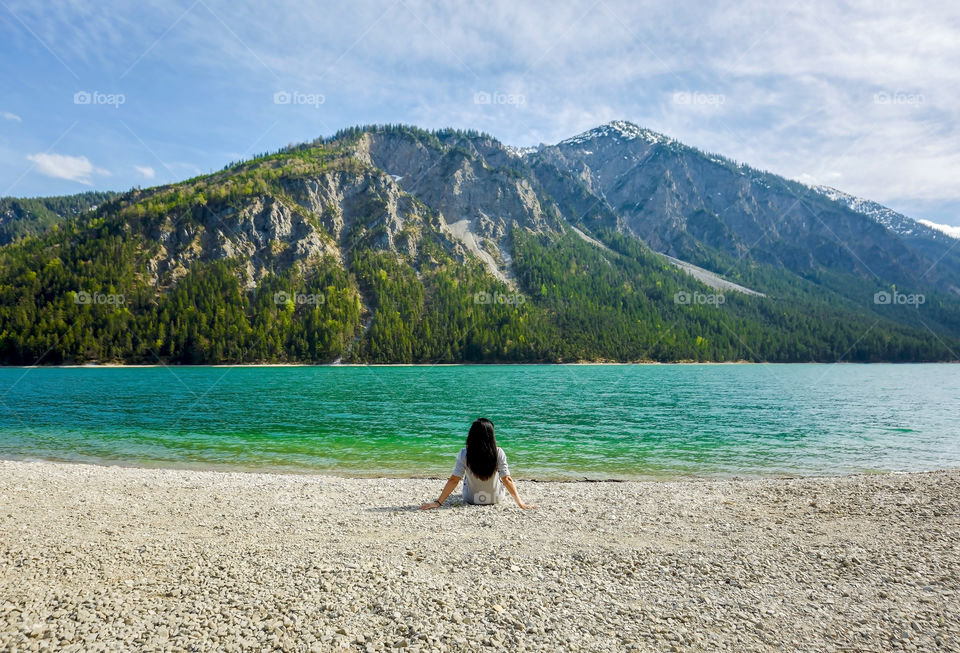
[{"x": 553, "y": 421}]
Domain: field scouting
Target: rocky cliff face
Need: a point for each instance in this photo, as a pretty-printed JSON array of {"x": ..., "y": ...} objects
[
  {"x": 305, "y": 219},
  {"x": 475, "y": 187},
  {"x": 264, "y": 232}
]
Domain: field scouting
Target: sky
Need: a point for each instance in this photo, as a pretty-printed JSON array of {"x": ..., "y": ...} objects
[{"x": 861, "y": 96}]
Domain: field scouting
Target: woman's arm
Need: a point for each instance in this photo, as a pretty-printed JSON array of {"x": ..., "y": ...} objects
[
  {"x": 512, "y": 488},
  {"x": 447, "y": 490}
]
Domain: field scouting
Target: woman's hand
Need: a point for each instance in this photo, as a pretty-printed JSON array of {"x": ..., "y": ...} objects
[
  {"x": 527, "y": 506},
  {"x": 447, "y": 489},
  {"x": 512, "y": 489}
]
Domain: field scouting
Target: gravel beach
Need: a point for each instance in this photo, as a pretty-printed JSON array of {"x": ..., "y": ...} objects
[{"x": 113, "y": 558}]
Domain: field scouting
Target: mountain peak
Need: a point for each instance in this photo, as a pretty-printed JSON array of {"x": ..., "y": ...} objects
[
  {"x": 618, "y": 130},
  {"x": 625, "y": 127}
]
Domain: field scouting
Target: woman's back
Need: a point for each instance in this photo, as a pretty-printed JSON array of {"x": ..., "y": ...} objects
[
  {"x": 478, "y": 490},
  {"x": 482, "y": 466}
]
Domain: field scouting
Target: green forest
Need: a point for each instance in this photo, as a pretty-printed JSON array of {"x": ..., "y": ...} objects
[{"x": 77, "y": 295}]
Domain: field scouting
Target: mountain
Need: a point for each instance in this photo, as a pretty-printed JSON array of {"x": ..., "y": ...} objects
[
  {"x": 396, "y": 244},
  {"x": 25, "y": 216},
  {"x": 704, "y": 208}
]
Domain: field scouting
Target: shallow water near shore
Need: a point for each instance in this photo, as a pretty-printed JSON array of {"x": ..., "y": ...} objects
[{"x": 557, "y": 422}]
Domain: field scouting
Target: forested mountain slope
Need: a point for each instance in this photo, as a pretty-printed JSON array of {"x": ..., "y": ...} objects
[{"x": 394, "y": 244}]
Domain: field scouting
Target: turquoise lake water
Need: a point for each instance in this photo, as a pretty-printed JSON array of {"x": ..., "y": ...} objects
[{"x": 646, "y": 421}]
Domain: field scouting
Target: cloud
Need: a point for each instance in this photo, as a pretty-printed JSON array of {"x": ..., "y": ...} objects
[
  {"x": 859, "y": 95},
  {"x": 947, "y": 229},
  {"x": 11, "y": 116},
  {"x": 64, "y": 166},
  {"x": 146, "y": 171}
]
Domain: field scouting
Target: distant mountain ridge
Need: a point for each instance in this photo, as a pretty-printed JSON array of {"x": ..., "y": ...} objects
[
  {"x": 410, "y": 245},
  {"x": 892, "y": 220},
  {"x": 28, "y": 216}
]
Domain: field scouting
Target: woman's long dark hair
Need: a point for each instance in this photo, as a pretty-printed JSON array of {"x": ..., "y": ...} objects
[{"x": 482, "y": 449}]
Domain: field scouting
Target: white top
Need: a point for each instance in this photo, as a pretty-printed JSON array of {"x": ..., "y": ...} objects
[{"x": 478, "y": 491}]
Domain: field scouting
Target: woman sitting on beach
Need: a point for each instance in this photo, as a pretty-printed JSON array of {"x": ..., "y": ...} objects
[{"x": 483, "y": 467}]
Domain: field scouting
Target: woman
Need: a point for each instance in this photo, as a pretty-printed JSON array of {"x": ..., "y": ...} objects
[{"x": 483, "y": 467}]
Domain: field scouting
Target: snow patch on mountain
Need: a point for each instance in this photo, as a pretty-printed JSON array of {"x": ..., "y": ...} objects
[
  {"x": 619, "y": 130},
  {"x": 892, "y": 220},
  {"x": 521, "y": 152}
]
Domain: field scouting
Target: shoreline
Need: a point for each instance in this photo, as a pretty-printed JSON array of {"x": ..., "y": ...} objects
[
  {"x": 571, "y": 364},
  {"x": 322, "y": 472}
]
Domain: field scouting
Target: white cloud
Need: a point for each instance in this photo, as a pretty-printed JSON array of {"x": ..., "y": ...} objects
[
  {"x": 64, "y": 166},
  {"x": 947, "y": 229},
  {"x": 146, "y": 171},
  {"x": 11, "y": 116}
]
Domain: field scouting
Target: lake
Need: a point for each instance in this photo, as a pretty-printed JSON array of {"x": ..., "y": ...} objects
[{"x": 554, "y": 421}]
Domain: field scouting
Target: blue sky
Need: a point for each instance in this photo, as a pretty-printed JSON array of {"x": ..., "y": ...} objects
[{"x": 109, "y": 95}]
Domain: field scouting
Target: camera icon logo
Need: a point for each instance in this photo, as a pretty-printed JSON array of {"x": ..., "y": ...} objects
[
  {"x": 682, "y": 297},
  {"x": 482, "y": 297},
  {"x": 882, "y": 297},
  {"x": 482, "y": 498},
  {"x": 82, "y": 97},
  {"x": 481, "y": 97},
  {"x": 82, "y": 297},
  {"x": 281, "y": 298},
  {"x": 281, "y": 97}
]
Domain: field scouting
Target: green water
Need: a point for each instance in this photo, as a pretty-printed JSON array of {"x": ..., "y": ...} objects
[{"x": 553, "y": 421}]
